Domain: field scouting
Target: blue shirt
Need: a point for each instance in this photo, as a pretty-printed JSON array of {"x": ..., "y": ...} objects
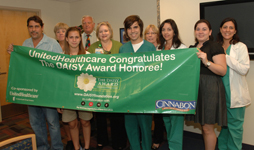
[{"x": 46, "y": 43}]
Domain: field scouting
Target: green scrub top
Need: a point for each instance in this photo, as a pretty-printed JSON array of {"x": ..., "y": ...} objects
[{"x": 225, "y": 80}]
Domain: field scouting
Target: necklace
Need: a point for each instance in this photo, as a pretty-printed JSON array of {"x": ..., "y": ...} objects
[{"x": 167, "y": 47}]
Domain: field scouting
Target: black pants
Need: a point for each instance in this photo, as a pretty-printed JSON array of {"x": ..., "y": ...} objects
[
  {"x": 158, "y": 133},
  {"x": 118, "y": 133}
]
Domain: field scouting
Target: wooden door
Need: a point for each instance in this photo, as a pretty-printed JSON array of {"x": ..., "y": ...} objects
[{"x": 13, "y": 30}]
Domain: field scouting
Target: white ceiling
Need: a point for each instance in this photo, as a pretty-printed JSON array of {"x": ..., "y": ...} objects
[{"x": 67, "y": 1}]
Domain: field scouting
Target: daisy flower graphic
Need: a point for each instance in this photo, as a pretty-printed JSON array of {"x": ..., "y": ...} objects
[{"x": 86, "y": 82}]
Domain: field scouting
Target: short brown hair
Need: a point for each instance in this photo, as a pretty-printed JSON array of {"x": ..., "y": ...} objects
[
  {"x": 209, "y": 27},
  {"x": 130, "y": 20},
  {"x": 36, "y": 19}
]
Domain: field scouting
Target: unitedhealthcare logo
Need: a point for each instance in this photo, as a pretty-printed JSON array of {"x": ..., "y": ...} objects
[{"x": 175, "y": 105}]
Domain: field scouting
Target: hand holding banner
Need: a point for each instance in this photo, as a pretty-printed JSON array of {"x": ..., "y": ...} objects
[{"x": 150, "y": 82}]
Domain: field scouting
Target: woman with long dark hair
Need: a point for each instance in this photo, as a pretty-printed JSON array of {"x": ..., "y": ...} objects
[
  {"x": 169, "y": 40},
  {"x": 169, "y": 36},
  {"x": 237, "y": 92},
  {"x": 74, "y": 46}
]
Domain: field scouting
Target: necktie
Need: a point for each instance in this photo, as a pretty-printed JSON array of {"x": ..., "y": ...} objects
[{"x": 87, "y": 41}]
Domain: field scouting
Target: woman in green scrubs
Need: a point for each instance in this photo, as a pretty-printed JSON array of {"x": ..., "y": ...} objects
[{"x": 237, "y": 92}]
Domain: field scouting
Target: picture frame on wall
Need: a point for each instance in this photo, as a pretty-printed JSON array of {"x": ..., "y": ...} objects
[{"x": 123, "y": 37}]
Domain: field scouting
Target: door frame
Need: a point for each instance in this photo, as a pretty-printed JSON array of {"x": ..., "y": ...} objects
[{"x": 38, "y": 12}]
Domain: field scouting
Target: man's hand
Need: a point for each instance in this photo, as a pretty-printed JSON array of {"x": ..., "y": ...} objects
[
  {"x": 10, "y": 48},
  {"x": 60, "y": 110}
]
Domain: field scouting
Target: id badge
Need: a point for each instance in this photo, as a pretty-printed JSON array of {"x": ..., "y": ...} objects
[{"x": 99, "y": 51}]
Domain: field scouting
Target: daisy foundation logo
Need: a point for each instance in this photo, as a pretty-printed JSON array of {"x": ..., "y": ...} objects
[{"x": 86, "y": 82}]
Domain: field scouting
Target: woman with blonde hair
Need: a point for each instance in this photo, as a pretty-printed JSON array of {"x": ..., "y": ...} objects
[
  {"x": 152, "y": 35},
  {"x": 59, "y": 30},
  {"x": 106, "y": 45}
]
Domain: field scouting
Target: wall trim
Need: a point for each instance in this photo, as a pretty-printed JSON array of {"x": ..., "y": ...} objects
[
  {"x": 158, "y": 13},
  {"x": 38, "y": 11}
]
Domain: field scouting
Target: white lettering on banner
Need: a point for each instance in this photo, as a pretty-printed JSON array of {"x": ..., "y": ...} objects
[
  {"x": 176, "y": 104},
  {"x": 47, "y": 64},
  {"x": 66, "y": 66},
  {"x": 75, "y": 64},
  {"x": 101, "y": 68},
  {"x": 21, "y": 94},
  {"x": 126, "y": 68},
  {"x": 112, "y": 59},
  {"x": 144, "y": 58},
  {"x": 62, "y": 58}
]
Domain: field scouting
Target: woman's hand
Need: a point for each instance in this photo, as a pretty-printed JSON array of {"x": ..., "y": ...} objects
[
  {"x": 218, "y": 66},
  {"x": 202, "y": 56}
]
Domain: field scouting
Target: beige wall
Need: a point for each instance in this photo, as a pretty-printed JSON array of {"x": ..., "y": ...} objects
[
  {"x": 52, "y": 12},
  {"x": 114, "y": 11},
  {"x": 186, "y": 13}
]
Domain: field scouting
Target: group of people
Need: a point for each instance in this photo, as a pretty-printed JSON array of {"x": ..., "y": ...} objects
[
  {"x": 222, "y": 96},
  {"x": 223, "y": 91}
]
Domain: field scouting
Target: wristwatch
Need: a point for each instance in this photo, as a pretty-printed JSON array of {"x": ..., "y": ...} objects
[{"x": 208, "y": 64}]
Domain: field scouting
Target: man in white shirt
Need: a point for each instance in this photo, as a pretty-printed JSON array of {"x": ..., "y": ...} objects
[
  {"x": 137, "y": 124},
  {"x": 89, "y": 34}
]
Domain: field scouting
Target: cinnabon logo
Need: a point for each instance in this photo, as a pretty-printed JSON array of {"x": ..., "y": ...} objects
[{"x": 175, "y": 105}]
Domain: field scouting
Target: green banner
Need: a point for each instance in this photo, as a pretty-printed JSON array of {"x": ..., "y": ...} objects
[{"x": 151, "y": 82}]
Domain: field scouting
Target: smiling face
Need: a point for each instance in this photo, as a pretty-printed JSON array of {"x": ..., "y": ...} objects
[
  {"x": 167, "y": 32},
  {"x": 73, "y": 39},
  {"x": 134, "y": 33},
  {"x": 202, "y": 32},
  {"x": 228, "y": 30},
  {"x": 60, "y": 34},
  {"x": 104, "y": 33},
  {"x": 35, "y": 30},
  {"x": 151, "y": 36},
  {"x": 88, "y": 25}
]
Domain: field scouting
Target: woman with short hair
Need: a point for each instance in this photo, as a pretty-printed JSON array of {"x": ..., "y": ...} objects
[{"x": 59, "y": 30}]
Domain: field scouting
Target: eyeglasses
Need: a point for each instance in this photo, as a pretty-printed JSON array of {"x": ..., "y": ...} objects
[{"x": 148, "y": 33}]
